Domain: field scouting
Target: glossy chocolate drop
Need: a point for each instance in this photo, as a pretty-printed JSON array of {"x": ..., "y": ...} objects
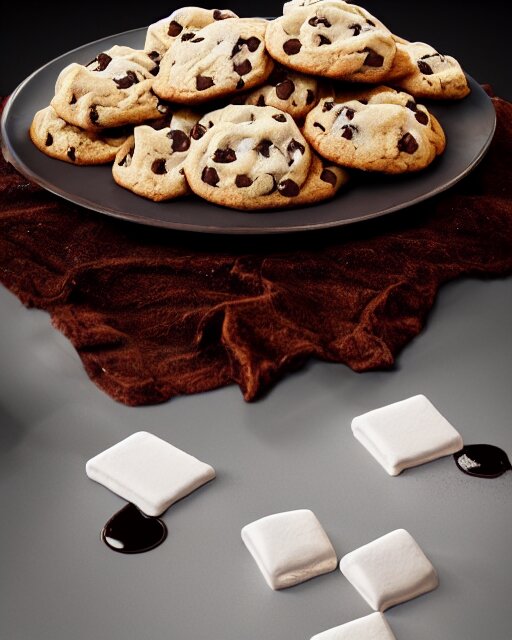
[
  {"x": 131, "y": 531},
  {"x": 482, "y": 460}
]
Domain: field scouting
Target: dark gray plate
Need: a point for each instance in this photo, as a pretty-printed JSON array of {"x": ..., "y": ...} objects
[{"x": 469, "y": 126}]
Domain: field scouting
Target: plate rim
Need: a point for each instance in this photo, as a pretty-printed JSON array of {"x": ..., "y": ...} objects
[{"x": 11, "y": 157}]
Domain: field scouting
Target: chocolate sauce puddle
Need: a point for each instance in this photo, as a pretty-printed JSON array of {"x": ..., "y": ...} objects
[
  {"x": 482, "y": 460},
  {"x": 131, "y": 531}
]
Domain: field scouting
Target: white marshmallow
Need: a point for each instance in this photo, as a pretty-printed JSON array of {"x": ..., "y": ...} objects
[
  {"x": 406, "y": 434},
  {"x": 289, "y": 547},
  {"x": 372, "y": 627},
  {"x": 149, "y": 472},
  {"x": 389, "y": 570}
]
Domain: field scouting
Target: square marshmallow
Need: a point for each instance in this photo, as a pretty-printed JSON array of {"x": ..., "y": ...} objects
[
  {"x": 389, "y": 570},
  {"x": 406, "y": 434},
  {"x": 289, "y": 547},
  {"x": 372, "y": 627},
  {"x": 149, "y": 472}
]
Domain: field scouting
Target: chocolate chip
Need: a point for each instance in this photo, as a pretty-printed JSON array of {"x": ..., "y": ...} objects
[
  {"x": 285, "y": 89},
  {"x": 407, "y": 144},
  {"x": 187, "y": 36},
  {"x": 373, "y": 59},
  {"x": 240, "y": 85},
  {"x": 357, "y": 28},
  {"x": 263, "y": 147},
  {"x": 348, "y": 131},
  {"x": 198, "y": 131},
  {"x": 237, "y": 47},
  {"x": 154, "y": 55},
  {"x": 224, "y": 155},
  {"x": 158, "y": 166},
  {"x": 126, "y": 81},
  {"x": 49, "y": 139},
  {"x": 425, "y": 68},
  {"x": 347, "y": 112},
  {"x": 315, "y": 21},
  {"x": 261, "y": 101},
  {"x": 421, "y": 117},
  {"x": 71, "y": 153},
  {"x": 294, "y": 145},
  {"x": 210, "y": 176},
  {"x": 323, "y": 40},
  {"x": 103, "y": 60},
  {"x": 328, "y": 176},
  {"x": 73, "y": 99},
  {"x": 320, "y": 126},
  {"x": 243, "y": 181},
  {"x": 310, "y": 97},
  {"x": 154, "y": 71},
  {"x": 288, "y": 188},
  {"x": 181, "y": 171},
  {"x": 411, "y": 105},
  {"x": 197, "y": 40},
  {"x": 204, "y": 82},
  {"x": 93, "y": 114},
  {"x": 253, "y": 43},
  {"x": 243, "y": 68},
  {"x": 372, "y": 24},
  {"x": 279, "y": 117},
  {"x": 180, "y": 140},
  {"x": 220, "y": 15},
  {"x": 291, "y": 47},
  {"x": 174, "y": 29},
  {"x": 328, "y": 105}
]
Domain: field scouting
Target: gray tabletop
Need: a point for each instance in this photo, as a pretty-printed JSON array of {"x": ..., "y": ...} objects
[{"x": 293, "y": 449}]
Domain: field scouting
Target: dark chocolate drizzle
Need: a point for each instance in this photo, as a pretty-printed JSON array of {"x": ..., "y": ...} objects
[
  {"x": 131, "y": 531},
  {"x": 482, "y": 460}
]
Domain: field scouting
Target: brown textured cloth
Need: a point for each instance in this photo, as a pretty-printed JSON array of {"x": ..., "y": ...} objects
[{"x": 154, "y": 313}]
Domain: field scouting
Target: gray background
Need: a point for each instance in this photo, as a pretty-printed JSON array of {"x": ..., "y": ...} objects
[{"x": 293, "y": 449}]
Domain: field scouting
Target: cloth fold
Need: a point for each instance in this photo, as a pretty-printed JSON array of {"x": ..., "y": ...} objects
[{"x": 155, "y": 313}]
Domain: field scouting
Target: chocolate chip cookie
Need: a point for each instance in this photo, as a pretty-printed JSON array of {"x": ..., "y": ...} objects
[
  {"x": 375, "y": 130},
  {"x": 287, "y": 90},
  {"x": 111, "y": 91},
  {"x": 150, "y": 163},
  {"x": 432, "y": 75},
  {"x": 182, "y": 23},
  {"x": 333, "y": 39},
  {"x": 361, "y": 11},
  {"x": 254, "y": 158},
  {"x": 58, "y": 139},
  {"x": 221, "y": 59}
]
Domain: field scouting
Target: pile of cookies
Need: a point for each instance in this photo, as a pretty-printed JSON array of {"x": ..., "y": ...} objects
[{"x": 251, "y": 113}]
